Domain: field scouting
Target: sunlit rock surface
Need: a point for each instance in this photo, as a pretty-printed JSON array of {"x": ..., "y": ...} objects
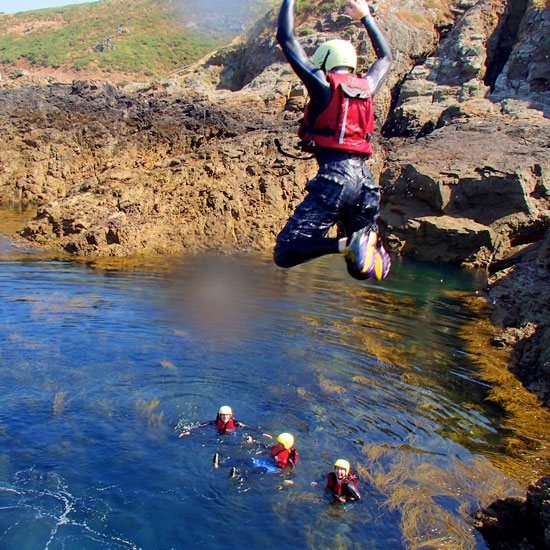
[{"x": 470, "y": 191}]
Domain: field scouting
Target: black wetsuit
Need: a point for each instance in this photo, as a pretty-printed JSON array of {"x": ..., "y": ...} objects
[
  {"x": 343, "y": 190},
  {"x": 346, "y": 489}
]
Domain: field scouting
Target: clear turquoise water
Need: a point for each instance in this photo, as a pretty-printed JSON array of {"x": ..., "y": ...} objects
[{"x": 101, "y": 369}]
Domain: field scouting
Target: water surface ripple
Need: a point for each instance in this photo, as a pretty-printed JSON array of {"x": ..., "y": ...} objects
[{"x": 102, "y": 367}]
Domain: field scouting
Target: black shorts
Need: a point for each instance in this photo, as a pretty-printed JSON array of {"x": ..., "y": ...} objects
[{"x": 343, "y": 191}]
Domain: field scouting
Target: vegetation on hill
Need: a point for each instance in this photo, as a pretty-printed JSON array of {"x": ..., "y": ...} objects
[{"x": 145, "y": 37}]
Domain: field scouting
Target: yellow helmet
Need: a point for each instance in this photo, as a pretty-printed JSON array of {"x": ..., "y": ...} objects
[
  {"x": 225, "y": 410},
  {"x": 341, "y": 463},
  {"x": 335, "y": 53},
  {"x": 286, "y": 440}
]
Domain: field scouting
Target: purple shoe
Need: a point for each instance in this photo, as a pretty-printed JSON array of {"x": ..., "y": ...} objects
[
  {"x": 382, "y": 263},
  {"x": 365, "y": 250},
  {"x": 361, "y": 250}
]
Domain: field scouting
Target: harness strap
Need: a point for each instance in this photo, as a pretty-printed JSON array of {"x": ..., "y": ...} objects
[{"x": 290, "y": 155}]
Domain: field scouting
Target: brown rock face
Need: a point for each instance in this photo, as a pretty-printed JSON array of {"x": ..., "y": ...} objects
[
  {"x": 516, "y": 523},
  {"x": 469, "y": 192},
  {"x": 451, "y": 75},
  {"x": 121, "y": 173},
  {"x": 522, "y": 294}
]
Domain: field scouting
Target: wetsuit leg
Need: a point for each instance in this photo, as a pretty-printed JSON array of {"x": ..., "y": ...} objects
[
  {"x": 362, "y": 212},
  {"x": 304, "y": 235},
  {"x": 343, "y": 191}
]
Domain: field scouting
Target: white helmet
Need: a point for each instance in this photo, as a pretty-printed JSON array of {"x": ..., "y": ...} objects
[
  {"x": 335, "y": 53},
  {"x": 344, "y": 464}
]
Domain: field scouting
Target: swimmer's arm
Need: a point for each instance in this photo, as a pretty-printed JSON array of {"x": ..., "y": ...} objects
[
  {"x": 188, "y": 432},
  {"x": 355, "y": 494},
  {"x": 318, "y": 482},
  {"x": 359, "y": 9},
  {"x": 250, "y": 439},
  {"x": 333, "y": 495}
]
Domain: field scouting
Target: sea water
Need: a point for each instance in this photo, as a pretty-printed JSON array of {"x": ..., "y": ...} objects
[{"x": 104, "y": 364}]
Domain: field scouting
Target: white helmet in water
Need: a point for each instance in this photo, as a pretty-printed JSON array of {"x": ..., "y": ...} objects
[
  {"x": 335, "y": 53},
  {"x": 344, "y": 464}
]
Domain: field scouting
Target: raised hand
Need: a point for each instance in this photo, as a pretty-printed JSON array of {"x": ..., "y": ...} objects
[{"x": 358, "y": 8}]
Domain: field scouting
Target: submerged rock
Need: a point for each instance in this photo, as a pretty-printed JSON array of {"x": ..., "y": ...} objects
[{"x": 521, "y": 292}]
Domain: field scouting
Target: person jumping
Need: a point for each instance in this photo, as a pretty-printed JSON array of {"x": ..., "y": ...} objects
[{"x": 337, "y": 128}]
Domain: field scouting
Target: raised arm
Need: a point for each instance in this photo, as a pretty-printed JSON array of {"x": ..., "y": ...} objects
[
  {"x": 359, "y": 9},
  {"x": 313, "y": 78}
]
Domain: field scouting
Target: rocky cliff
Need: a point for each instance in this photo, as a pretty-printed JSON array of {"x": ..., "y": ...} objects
[{"x": 120, "y": 172}]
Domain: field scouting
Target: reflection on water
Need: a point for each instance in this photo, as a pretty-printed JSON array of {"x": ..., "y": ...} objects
[{"x": 103, "y": 364}]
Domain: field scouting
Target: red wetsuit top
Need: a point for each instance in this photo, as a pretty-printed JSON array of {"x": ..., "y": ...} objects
[
  {"x": 283, "y": 457},
  {"x": 346, "y": 488},
  {"x": 347, "y": 122}
]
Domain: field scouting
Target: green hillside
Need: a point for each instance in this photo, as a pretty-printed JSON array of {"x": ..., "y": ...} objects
[{"x": 139, "y": 37}]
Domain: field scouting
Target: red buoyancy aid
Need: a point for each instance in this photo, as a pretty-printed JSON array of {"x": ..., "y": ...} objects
[
  {"x": 347, "y": 123},
  {"x": 336, "y": 486},
  {"x": 283, "y": 457},
  {"x": 228, "y": 427}
]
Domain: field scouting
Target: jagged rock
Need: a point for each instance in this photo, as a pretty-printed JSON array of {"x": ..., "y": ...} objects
[
  {"x": 489, "y": 179},
  {"x": 522, "y": 294},
  {"x": 518, "y": 523},
  {"x": 447, "y": 239},
  {"x": 104, "y": 45},
  {"x": 453, "y": 74},
  {"x": 526, "y": 74},
  {"x": 123, "y": 173}
]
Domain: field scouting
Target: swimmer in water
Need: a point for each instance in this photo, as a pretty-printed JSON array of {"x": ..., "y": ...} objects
[
  {"x": 284, "y": 454},
  {"x": 225, "y": 422},
  {"x": 341, "y": 483}
]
